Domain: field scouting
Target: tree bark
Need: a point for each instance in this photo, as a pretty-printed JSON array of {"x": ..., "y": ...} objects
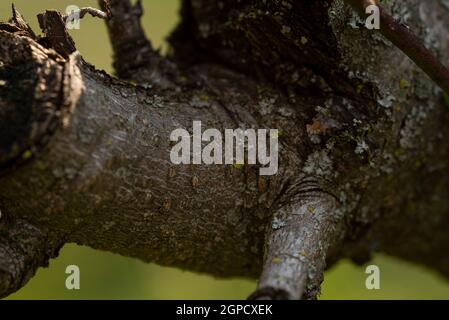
[{"x": 85, "y": 157}]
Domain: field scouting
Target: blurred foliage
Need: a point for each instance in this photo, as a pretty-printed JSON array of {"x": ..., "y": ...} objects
[{"x": 108, "y": 276}]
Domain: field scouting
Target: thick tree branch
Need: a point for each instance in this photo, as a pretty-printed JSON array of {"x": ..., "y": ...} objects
[
  {"x": 86, "y": 157},
  {"x": 110, "y": 161}
]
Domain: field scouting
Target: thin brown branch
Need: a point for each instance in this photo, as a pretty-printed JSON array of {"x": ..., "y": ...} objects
[{"x": 403, "y": 38}]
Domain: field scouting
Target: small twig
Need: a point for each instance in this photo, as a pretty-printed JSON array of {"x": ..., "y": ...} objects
[
  {"x": 403, "y": 38},
  {"x": 83, "y": 11}
]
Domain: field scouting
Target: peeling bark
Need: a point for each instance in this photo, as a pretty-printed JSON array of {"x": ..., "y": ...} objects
[{"x": 84, "y": 156}]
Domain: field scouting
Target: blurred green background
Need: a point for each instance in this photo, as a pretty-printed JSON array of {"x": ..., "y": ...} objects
[{"x": 109, "y": 276}]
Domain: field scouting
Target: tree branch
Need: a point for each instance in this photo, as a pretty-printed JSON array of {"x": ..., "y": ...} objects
[
  {"x": 94, "y": 152},
  {"x": 134, "y": 57},
  {"x": 92, "y": 11},
  {"x": 296, "y": 246},
  {"x": 403, "y": 38},
  {"x": 23, "y": 249},
  {"x": 107, "y": 169}
]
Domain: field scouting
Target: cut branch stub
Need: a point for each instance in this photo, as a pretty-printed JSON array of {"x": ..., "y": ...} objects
[
  {"x": 28, "y": 111},
  {"x": 40, "y": 89},
  {"x": 53, "y": 25}
]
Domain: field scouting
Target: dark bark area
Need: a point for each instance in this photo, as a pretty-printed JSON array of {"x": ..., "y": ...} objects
[{"x": 84, "y": 157}]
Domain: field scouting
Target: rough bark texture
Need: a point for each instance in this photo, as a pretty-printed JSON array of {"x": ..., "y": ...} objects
[{"x": 84, "y": 157}]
